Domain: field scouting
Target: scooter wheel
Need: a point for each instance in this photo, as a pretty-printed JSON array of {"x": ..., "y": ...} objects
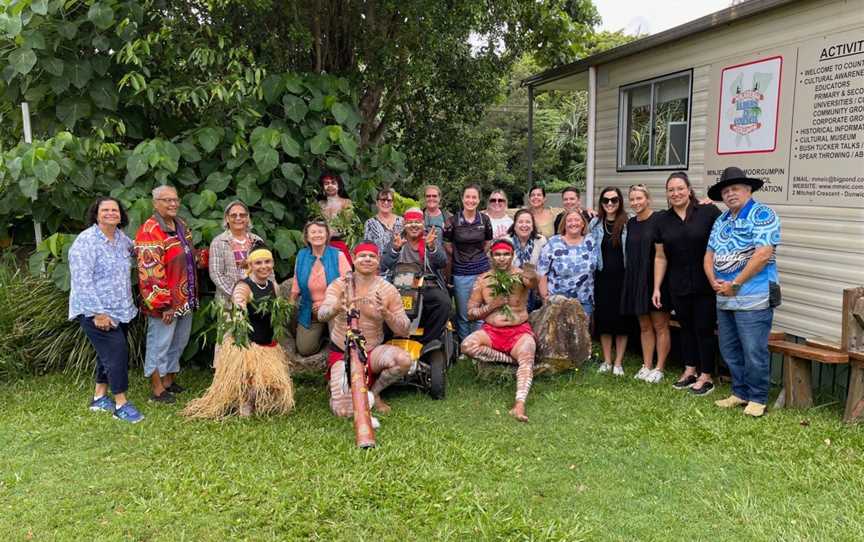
[{"x": 437, "y": 374}]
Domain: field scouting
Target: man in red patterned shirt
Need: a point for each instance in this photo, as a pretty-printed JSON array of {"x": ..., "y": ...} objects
[{"x": 167, "y": 281}]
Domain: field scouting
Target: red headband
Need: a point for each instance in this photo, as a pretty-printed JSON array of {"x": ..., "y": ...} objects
[
  {"x": 413, "y": 216},
  {"x": 365, "y": 247},
  {"x": 499, "y": 245}
]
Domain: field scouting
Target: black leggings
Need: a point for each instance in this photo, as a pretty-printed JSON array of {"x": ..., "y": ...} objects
[
  {"x": 436, "y": 312},
  {"x": 697, "y": 314}
]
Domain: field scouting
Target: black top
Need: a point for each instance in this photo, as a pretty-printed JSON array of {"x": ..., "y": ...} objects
[
  {"x": 262, "y": 329},
  {"x": 684, "y": 243},
  {"x": 639, "y": 274},
  {"x": 468, "y": 239},
  {"x": 613, "y": 256}
]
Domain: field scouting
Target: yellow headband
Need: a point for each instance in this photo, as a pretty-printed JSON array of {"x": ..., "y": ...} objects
[{"x": 259, "y": 254}]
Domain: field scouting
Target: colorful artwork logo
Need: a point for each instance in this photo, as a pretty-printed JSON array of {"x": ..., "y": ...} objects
[{"x": 746, "y": 103}]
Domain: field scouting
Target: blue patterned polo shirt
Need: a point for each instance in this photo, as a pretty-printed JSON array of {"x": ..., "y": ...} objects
[
  {"x": 733, "y": 241},
  {"x": 570, "y": 268}
]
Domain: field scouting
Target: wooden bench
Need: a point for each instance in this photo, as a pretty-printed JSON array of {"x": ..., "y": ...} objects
[{"x": 797, "y": 370}]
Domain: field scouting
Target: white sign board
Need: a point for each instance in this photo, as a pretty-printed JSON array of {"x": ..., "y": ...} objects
[{"x": 749, "y": 107}]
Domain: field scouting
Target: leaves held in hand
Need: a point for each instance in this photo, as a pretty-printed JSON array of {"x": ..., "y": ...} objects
[
  {"x": 234, "y": 320},
  {"x": 502, "y": 283}
]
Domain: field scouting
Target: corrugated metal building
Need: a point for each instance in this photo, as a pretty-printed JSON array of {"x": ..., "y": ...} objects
[{"x": 669, "y": 89}]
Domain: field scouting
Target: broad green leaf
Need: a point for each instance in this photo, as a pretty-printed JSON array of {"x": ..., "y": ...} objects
[
  {"x": 266, "y": 159},
  {"x": 275, "y": 208},
  {"x": 272, "y": 86},
  {"x": 348, "y": 144},
  {"x": 104, "y": 95},
  {"x": 101, "y": 43},
  {"x": 39, "y": 7},
  {"x": 202, "y": 202},
  {"x": 170, "y": 159},
  {"x": 187, "y": 177},
  {"x": 284, "y": 244},
  {"x": 10, "y": 26},
  {"x": 60, "y": 84},
  {"x": 83, "y": 177},
  {"x": 101, "y": 63},
  {"x": 29, "y": 187},
  {"x": 295, "y": 107},
  {"x": 189, "y": 151},
  {"x": 22, "y": 60},
  {"x": 46, "y": 171},
  {"x": 334, "y": 132},
  {"x": 54, "y": 66},
  {"x": 317, "y": 103},
  {"x": 319, "y": 144},
  {"x": 293, "y": 84},
  {"x": 341, "y": 112},
  {"x": 217, "y": 181},
  {"x": 290, "y": 146},
  {"x": 209, "y": 138},
  {"x": 127, "y": 32},
  {"x": 8, "y": 74},
  {"x": 264, "y": 137},
  {"x": 14, "y": 167},
  {"x": 248, "y": 191},
  {"x": 136, "y": 166},
  {"x": 278, "y": 187},
  {"x": 101, "y": 14},
  {"x": 73, "y": 109},
  {"x": 293, "y": 172},
  {"x": 67, "y": 29},
  {"x": 80, "y": 72},
  {"x": 336, "y": 164},
  {"x": 34, "y": 39}
]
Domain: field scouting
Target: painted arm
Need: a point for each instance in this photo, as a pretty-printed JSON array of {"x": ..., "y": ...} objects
[
  {"x": 334, "y": 302},
  {"x": 477, "y": 309}
]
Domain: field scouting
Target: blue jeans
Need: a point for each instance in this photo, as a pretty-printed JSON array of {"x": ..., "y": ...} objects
[
  {"x": 462, "y": 286},
  {"x": 165, "y": 344},
  {"x": 112, "y": 354},
  {"x": 744, "y": 346}
]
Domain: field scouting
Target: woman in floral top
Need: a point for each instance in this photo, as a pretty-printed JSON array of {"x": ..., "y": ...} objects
[
  {"x": 568, "y": 261},
  {"x": 381, "y": 228}
]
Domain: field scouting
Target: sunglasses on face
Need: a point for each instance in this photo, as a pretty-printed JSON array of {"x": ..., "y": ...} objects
[
  {"x": 385, "y": 200},
  {"x": 613, "y": 199},
  {"x": 431, "y": 195},
  {"x": 497, "y": 200}
]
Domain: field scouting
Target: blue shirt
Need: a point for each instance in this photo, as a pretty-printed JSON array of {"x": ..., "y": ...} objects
[
  {"x": 733, "y": 241},
  {"x": 101, "y": 280},
  {"x": 569, "y": 269}
]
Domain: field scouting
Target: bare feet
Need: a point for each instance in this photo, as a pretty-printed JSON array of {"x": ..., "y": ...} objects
[
  {"x": 381, "y": 406},
  {"x": 518, "y": 411}
]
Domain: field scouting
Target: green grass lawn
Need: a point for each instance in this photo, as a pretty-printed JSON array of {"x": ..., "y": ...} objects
[{"x": 601, "y": 459}]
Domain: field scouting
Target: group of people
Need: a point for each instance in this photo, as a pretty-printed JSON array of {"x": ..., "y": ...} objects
[{"x": 714, "y": 269}]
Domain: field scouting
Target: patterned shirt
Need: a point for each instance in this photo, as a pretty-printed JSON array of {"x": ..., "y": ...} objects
[
  {"x": 570, "y": 268},
  {"x": 733, "y": 241},
  {"x": 376, "y": 232},
  {"x": 101, "y": 279}
]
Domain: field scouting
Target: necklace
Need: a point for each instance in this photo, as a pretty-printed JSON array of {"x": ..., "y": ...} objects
[
  {"x": 606, "y": 227},
  {"x": 262, "y": 288}
]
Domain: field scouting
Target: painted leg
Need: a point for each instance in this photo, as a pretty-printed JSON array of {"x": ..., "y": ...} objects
[
  {"x": 389, "y": 364},
  {"x": 340, "y": 398},
  {"x": 478, "y": 346},
  {"x": 523, "y": 353}
]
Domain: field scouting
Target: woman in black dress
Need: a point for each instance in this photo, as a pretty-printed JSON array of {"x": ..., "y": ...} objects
[
  {"x": 683, "y": 233},
  {"x": 610, "y": 231},
  {"x": 639, "y": 282}
]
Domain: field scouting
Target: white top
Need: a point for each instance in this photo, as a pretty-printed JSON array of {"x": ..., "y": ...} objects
[{"x": 500, "y": 226}]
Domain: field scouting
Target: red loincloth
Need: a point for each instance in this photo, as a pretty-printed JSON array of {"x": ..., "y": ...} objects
[{"x": 503, "y": 339}]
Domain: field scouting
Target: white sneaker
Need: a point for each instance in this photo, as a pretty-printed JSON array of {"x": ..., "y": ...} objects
[
  {"x": 654, "y": 377},
  {"x": 643, "y": 372},
  {"x": 618, "y": 371},
  {"x": 604, "y": 368}
]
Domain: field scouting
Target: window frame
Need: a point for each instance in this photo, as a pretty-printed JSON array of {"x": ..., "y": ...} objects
[{"x": 623, "y": 138}]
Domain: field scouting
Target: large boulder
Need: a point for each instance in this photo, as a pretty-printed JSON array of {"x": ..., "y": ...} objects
[{"x": 563, "y": 337}]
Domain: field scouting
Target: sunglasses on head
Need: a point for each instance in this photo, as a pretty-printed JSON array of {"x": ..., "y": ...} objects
[{"x": 613, "y": 199}]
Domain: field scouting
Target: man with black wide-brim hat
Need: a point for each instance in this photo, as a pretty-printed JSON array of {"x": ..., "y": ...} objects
[{"x": 740, "y": 265}]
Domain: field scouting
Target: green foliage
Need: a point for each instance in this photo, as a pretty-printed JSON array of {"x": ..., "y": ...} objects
[
  {"x": 233, "y": 320},
  {"x": 502, "y": 283},
  {"x": 124, "y": 98},
  {"x": 37, "y": 336}
]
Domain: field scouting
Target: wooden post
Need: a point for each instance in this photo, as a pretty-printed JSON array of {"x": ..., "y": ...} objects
[
  {"x": 855, "y": 394},
  {"x": 797, "y": 385},
  {"x": 852, "y": 341}
]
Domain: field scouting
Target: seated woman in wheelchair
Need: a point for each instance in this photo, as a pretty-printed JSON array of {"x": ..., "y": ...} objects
[{"x": 424, "y": 254}]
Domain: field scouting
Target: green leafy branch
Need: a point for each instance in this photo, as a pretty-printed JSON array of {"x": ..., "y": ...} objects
[{"x": 502, "y": 283}]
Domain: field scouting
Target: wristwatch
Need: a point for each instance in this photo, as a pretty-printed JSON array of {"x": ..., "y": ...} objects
[{"x": 735, "y": 287}]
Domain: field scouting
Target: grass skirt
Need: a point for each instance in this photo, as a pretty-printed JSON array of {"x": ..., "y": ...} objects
[{"x": 257, "y": 374}]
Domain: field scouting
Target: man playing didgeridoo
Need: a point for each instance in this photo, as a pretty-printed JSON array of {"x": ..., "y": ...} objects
[
  {"x": 500, "y": 298},
  {"x": 378, "y": 302}
]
